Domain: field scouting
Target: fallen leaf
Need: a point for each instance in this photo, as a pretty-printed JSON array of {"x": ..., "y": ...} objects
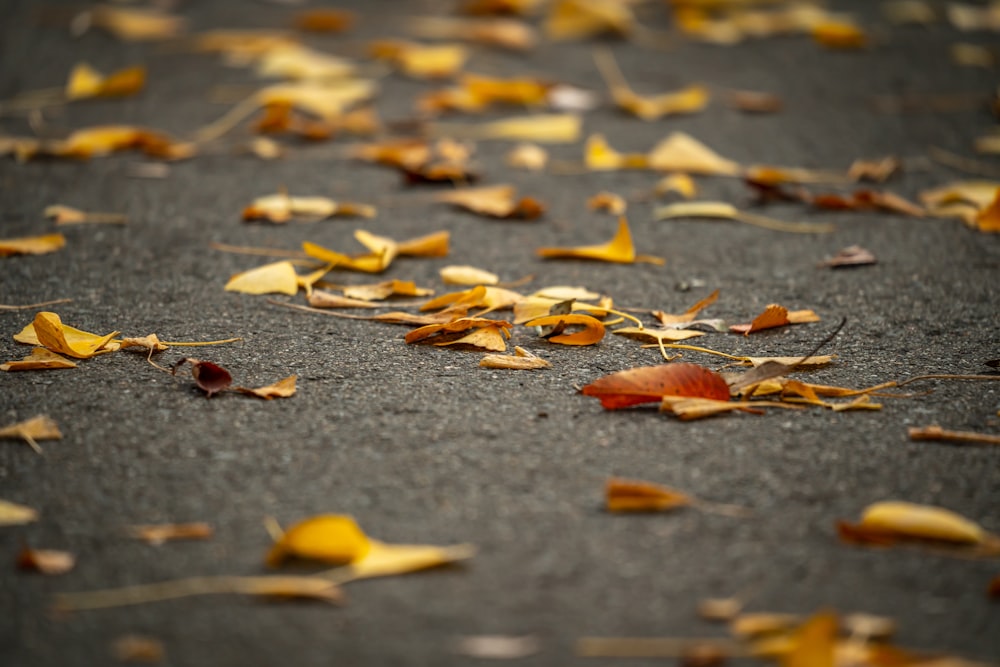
[
  {"x": 494, "y": 201},
  {"x": 853, "y": 255},
  {"x": 687, "y": 408},
  {"x": 542, "y": 128},
  {"x": 138, "y": 648},
  {"x": 274, "y": 278},
  {"x": 133, "y": 24},
  {"x": 725, "y": 211},
  {"x": 430, "y": 245},
  {"x": 680, "y": 184},
  {"x": 440, "y": 61},
  {"x": 65, "y": 215},
  {"x": 682, "y": 152},
  {"x": 321, "y": 299},
  {"x": 691, "y": 99},
  {"x": 48, "y": 331},
  {"x": 968, "y": 18},
  {"x": 497, "y": 647},
  {"x": 45, "y": 561},
  {"x": 814, "y": 642},
  {"x": 579, "y": 19},
  {"x": 988, "y": 219},
  {"x": 210, "y": 378},
  {"x": 499, "y": 7},
  {"x": 626, "y": 495},
  {"x": 530, "y": 157},
  {"x": 890, "y": 522},
  {"x": 965, "y": 54},
  {"x": 473, "y": 331},
  {"x": 32, "y": 245},
  {"x": 385, "y": 289},
  {"x": 467, "y": 275},
  {"x": 521, "y": 360},
  {"x": 12, "y": 514},
  {"x": 649, "y": 384},
  {"x": 324, "y": 20},
  {"x": 720, "y": 609},
  {"x": 598, "y": 155},
  {"x": 750, "y": 101},
  {"x": 281, "y": 208},
  {"x": 103, "y": 140},
  {"x": 157, "y": 534},
  {"x": 842, "y": 35},
  {"x": 503, "y": 33},
  {"x": 608, "y": 202},
  {"x": 280, "y": 389},
  {"x": 619, "y": 249},
  {"x": 774, "y": 316},
  {"x": 39, "y": 359},
  {"x": 878, "y": 171},
  {"x": 904, "y": 12},
  {"x": 592, "y": 333},
  {"x": 86, "y": 82},
  {"x": 689, "y": 315},
  {"x": 935, "y": 432},
  {"x": 993, "y": 589}
]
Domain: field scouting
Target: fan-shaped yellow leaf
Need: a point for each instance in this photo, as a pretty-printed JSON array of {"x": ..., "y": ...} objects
[
  {"x": 48, "y": 331},
  {"x": 275, "y": 278},
  {"x": 618, "y": 249},
  {"x": 331, "y": 538}
]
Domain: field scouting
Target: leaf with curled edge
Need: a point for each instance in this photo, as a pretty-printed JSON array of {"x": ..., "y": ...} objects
[
  {"x": 593, "y": 331},
  {"x": 649, "y": 384},
  {"x": 210, "y": 378}
]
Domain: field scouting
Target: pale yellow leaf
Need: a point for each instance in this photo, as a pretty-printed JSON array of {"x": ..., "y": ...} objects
[
  {"x": 274, "y": 278},
  {"x": 39, "y": 359},
  {"x": 12, "y": 514},
  {"x": 541, "y": 128},
  {"x": 921, "y": 521},
  {"x": 467, "y": 275},
  {"x": 281, "y": 389},
  {"x": 683, "y": 153},
  {"x": 521, "y": 360}
]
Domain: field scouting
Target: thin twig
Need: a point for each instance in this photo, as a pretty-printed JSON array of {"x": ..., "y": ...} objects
[
  {"x": 29, "y": 306},
  {"x": 935, "y": 432}
]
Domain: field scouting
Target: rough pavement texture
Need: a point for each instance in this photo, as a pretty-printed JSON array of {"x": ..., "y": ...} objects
[{"x": 421, "y": 445}]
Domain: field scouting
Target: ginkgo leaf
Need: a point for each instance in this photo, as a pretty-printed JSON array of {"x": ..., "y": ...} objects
[
  {"x": 282, "y": 208},
  {"x": 678, "y": 183},
  {"x": 320, "y": 299},
  {"x": 627, "y": 495},
  {"x": 467, "y": 275},
  {"x": 280, "y": 389},
  {"x": 134, "y": 24},
  {"x": 531, "y": 157},
  {"x": 85, "y": 81},
  {"x": 12, "y": 514},
  {"x": 385, "y": 289},
  {"x": 40, "y": 427},
  {"x": 105, "y": 139},
  {"x": 45, "y": 561},
  {"x": 274, "y": 278},
  {"x": 40, "y": 359},
  {"x": 32, "y": 245},
  {"x": 521, "y": 360},
  {"x": 504, "y": 33},
  {"x": 331, "y": 538},
  {"x": 579, "y": 19},
  {"x": 618, "y": 249},
  {"x": 688, "y": 408},
  {"x": 210, "y": 377},
  {"x": 385, "y": 560},
  {"x": 48, "y": 331},
  {"x": 598, "y": 155},
  {"x": 438, "y": 61},
  {"x": 566, "y": 293},
  {"x": 157, "y": 534},
  {"x": 688, "y": 100},
  {"x": 683, "y": 153},
  {"x": 649, "y": 384},
  {"x": 890, "y": 522},
  {"x": 494, "y": 201},
  {"x": 475, "y": 331},
  {"x": 66, "y": 215},
  {"x": 775, "y": 316},
  {"x": 592, "y": 333},
  {"x": 431, "y": 245},
  {"x": 541, "y": 128},
  {"x": 725, "y": 211}
]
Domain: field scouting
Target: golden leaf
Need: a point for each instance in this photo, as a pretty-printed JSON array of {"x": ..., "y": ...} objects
[
  {"x": 439, "y": 61},
  {"x": 151, "y": 342},
  {"x": 467, "y": 275},
  {"x": 280, "y": 389},
  {"x": 678, "y": 183},
  {"x": 521, "y": 360},
  {"x": 608, "y": 202},
  {"x": 49, "y": 331},
  {"x": 331, "y": 538},
  {"x": 324, "y": 20},
  {"x": 724, "y": 211},
  {"x": 686, "y": 408},
  {"x": 39, "y": 359},
  {"x": 32, "y": 245},
  {"x": 988, "y": 219},
  {"x": 503, "y": 33},
  {"x": 494, "y": 201},
  {"x": 385, "y": 560},
  {"x": 626, "y": 495},
  {"x": 31, "y": 430},
  {"x": 431, "y": 245},
  {"x": 274, "y": 278},
  {"x": 281, "y": 208},
  {"x": 814, "y": 642},
  {"x": 903, "y": 519},
  {"x": 682, "y": 152},
  {"x": 686, "y": 101},
  {"x": 475, "y": 331},
  {"x": 328, "y": 300},
  {"x": 618, "y": 249},
  {"x": 592, "y": 333},
  {"x": 542, "y": 128},
  {"x": 135, "y": 24},
  {"x": 12, "y": 514},
  {"x": 578, "y": 19},
  {"x": 566, "y": 293},
  {"x": 301, "y": 63},
  {"x": 85, "y": 81},
  {"x": 384, "y": 290},
  {"x": 598, "y": 155},
  {"x": 138, "y": 648},
  {"x": 105, "y": 139},
  {"x": 839, "y": 35}
]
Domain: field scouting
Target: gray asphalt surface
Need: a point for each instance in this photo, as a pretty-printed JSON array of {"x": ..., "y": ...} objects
[{"x": 421, "y": 445}]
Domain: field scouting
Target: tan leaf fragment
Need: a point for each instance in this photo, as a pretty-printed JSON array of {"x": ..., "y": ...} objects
[
  {"x": 321, "y": 299},
  {"x": 151, "y": 342},
  {"x": 86, "y": 82},
  {"x": 46, "y": 561},
  {"x": 904, "y": 12},
  {"x": 385, "y": 289},
  {"x": 32, "y": 245},
  {"x": 12, "y": 514},
  {"x": 598, "y": 155},
  {"x": 138, "y": 648},
  {"x": 280, "y": 389},
  {"x": 40, "y": 427},
  {"x": 724, "y": 211},
  {"x": 132, "y": 24},
  {"x": 679, "y": 183},
  {"x": 687, "y": 409},
  {"x": 528, "y": 156},
  {"x": 968, "y": 17},
  {"x": 541, "y": 128},
  {"x": 431, "y": 245},
  {"x": 498, "y": 647},
  {"x": 281, "y": 208},
  {"x": 274, "y": 278},
  {"x": 494, "y": 201},
  {"x": 65, "y": 215},
  {"x": 157, "y": 534},
  {"x": 39, "y": 359},
  {"x": 608, "y": 202},
  {"x": 878, "y": 170},
  {"x": 972, "y": 55},
  {"x": 688, "y": 315},
  {"x": 467, "y": 275},
  {"x": 521, "y": 360},
  {"x": 935, "y": 432}
]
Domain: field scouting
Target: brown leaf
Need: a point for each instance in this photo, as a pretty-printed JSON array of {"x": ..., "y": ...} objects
[
  {"x": 521, "y": 360},
  {"x": 773, "y": 316},
  {"x": 993, "y": 590},
  {"x": 157, "y": 534},
  {"x": 626, "y": 495},
  {"x": 138, "y": 648},
  {"x": 853, "y": 255},
  {"x": 324, "y": 20},
  {"x": 649, "y": 384},
  {"x": 210, "y": 378},
  {"x": 45, "y": 561}
]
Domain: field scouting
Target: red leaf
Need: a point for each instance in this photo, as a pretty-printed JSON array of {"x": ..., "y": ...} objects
[
  {"x": 211, "y": 378},
  {"x": 649, "y": 384}
]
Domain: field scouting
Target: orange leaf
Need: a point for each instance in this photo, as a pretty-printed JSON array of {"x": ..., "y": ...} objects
[
  {"x": 592, "y": 333},
  {"x": 280, "y": 389},
  {"x": 32, "y": 245},
  {"x": 649, "y": 384},
  {"x": 324, "y": 20},
  {"x": 626, "y": 495},
  {"x": 988, "y": 220},
  {"x": 813, "y": 644},
  {"x": 772, "y": 317}
]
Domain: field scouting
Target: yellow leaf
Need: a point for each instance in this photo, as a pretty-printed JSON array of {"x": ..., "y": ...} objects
[
  {"x": 723, "y": 211},
  {"x": 49, "y": 331},
  {"x": 280, "y": 389},
  {"x": 439, "y": 61},
  {"x": 281, "y": 208},
  {"x": 521, "y": 360},
  {"x": 618, "y": 249},
  {"x": 326, "y": 99},
  {"x": 688, "y": 100},
  {"x": 566, "y": 293},
  {"x": 657, "y": 335},
  {"x": 988, "y": 219},
  {"x": 921, "y": 521},
  {"x": 592, "y": 333},
  {"x": 39, "y": 359},
  {"x": 578, "y": 19},
  {"x": 66, "y": 215},
  {"x": 327, "y": 300},
  {"x": 12, "y": 514},
  {"x": 331, "y": 538},
  {"x": 486, "y": 338},
  {"x": 626, "y": 495},
  {"x": 609, "y": 202},
  {"x": 302, "y": 63},
  {"x": 503, "y": 33},
  {"x": 495, "y": 201},
  {"x": 678, "y": 183},
  {"x": 542, "y": 128},
  {"x": 134, "y": 24},
  {"x": 682, "y": 152},
  {"x": 45, "y": 561},
  {"x": 274, "y": 278},
  {"x": 381, "y": 247},
  {"x": 814, "y": 643},
  {"x": 467, "y": 275},
  {"x": 105, "y": 139},
  {"x": 32, "y": 245},
  {"x": 383, "y": 290},
  {"x": 455, "y": 332},
  {"x": 85, "y": 81},
  {"x": 390, "y": 559},
  {"x": 598, "y": 155},
  {"x": 40, "y": 427},
  {"x": 431, "y": 245}
]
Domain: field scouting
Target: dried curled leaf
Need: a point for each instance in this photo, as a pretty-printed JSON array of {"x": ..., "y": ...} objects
[
  {"x": 32, "y": 245},
  {"x": 608, "y": 202},
  {"x": 503, "y": 33},
  {"x": 467, "y": 275},
  {"x": 619, "y": 249},
  {"x": 592, "y": 333},
  {"x": 890, "y": 522},
  {"x": 775, "y": 316},
  {"x": 281, "y": 208},
  {"x": 281, "y": 389},
  {"x": 521, "y": 360},
  {"x": 649, "y": 384},
  {"x": 474, "y": 331},
  {"x": 39, "y": 359},
  {"x": 41, "y": 427},
  {"x": 685, "y": 101},
  {"x": 210, "y": 378},
  {"x": 384, "y": 290},
  {"x": 683, "y": 153},
  {"x": 627, "y": 495}
]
